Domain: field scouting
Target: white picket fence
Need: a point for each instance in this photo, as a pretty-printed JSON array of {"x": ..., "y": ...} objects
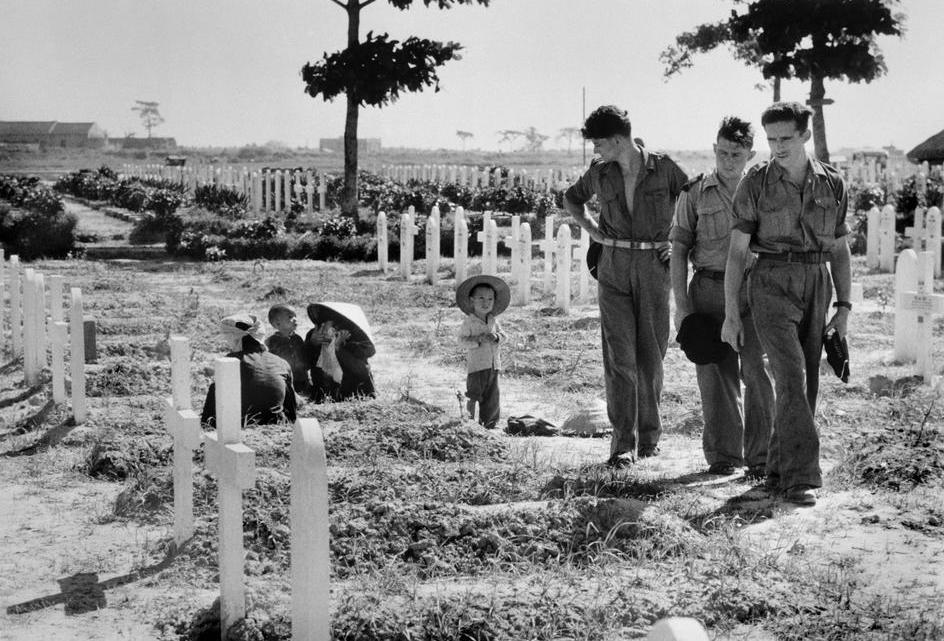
[
  {"x": 268, "y": 191},
  {"x": 537, "y": 179}
]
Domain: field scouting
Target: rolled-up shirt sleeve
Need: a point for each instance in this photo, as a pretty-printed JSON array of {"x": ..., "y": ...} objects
[
  {"x": 581, "y": 191},
  {"x": 745, "y": 207},
  {"x": 683, "y": 223}
]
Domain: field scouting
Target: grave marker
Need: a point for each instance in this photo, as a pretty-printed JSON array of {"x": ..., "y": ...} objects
[
  {"x": 886, "y": 252},
  {"x": 489, "y": 239},
  {"x": 924, "y": 304},
  {"x": 184, "y": 425},
  {"x": 278, "y": 190},
  {"x": 382, "y": 242},
  {"x": 580, "y": 255},
  {"x": 59, "y": 334},
  {"x": 311, "y": 620},
  {"x": 511, "y": 241},
  {"x": 30, "y": 367},
  {"x": 564, "y": 260},
  {"x": 872, "y": 238},
  {"x": 77, "y": 357},
  {"x": 407, "y": 231},
  {"x": 933, "y": 239},
  {"x": 16, "y": 307},
  {"x": 233, "y": 465},
  {"x": 547, "y": 246},
  {"x": 523, "y": 286},
  {"x": 432, "y": 246},
  {"x": 460, "y": 245}
]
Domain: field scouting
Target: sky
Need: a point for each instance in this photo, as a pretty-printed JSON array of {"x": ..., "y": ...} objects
[{"x": 227, "y": 72}]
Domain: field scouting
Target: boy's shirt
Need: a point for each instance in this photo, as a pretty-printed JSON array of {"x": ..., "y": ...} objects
[
  {"x": 484, "y": 356},
  {"x": 292, "y": 349}
]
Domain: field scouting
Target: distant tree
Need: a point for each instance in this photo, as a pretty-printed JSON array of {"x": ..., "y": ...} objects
[
  {"x": 533, "y": 140},
  {"x": 150, "y": 116},
  {"x": 464, "y": 136},
  {"x": 568, "y": 134},
  {"x": 373, "y": 73},
  {"x": 804, "y": 39}
]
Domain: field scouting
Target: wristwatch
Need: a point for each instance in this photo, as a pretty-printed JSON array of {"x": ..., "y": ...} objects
[{"x": 843, "y": 303}]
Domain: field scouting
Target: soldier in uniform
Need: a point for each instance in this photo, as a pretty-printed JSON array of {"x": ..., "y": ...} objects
[
  {"x": 636, "y": 189},
  {"x": 734, "y": 436},
  {"x": 791, "y": 211}
]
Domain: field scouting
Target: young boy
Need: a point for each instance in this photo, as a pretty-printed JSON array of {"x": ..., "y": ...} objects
[
  {"x": 288, "y": 345},
  {"x": 482, "y": 298}
]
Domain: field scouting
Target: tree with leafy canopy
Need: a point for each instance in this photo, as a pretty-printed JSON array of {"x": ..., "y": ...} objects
[
  {"x": 809, "y": 40},
  {"x": 150, "y": 116},
  {"x": 373, "y": 72}
]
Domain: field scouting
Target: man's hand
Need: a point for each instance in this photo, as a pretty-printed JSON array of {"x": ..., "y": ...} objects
[
  {"x": 839, "y": 322},
  {"x": 665, "y": 253},
  {"x": 595, "y": 234},
  {"x": 732, "y": 332}
]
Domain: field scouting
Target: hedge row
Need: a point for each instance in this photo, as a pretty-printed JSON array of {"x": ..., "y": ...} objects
[{"x": 33, "y": 220}]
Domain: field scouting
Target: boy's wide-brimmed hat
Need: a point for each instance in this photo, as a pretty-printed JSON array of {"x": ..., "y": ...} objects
[
  {"x": 700, "y": 338},
  {"x": 502, "y": 293},
  {"x": 345, "y": 316}
]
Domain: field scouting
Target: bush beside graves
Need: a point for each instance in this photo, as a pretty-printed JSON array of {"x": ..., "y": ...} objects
[{"x": 34, "y": 223}]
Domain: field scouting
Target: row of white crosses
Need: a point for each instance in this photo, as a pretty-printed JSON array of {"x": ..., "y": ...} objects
[
  {"x": 559, "y": 251},
  {"x": 233, "y": 465},
  {"x": 271, "y": 190},
  {"x": 29, "y": 331},
  {"x": 916, "y": 304}
]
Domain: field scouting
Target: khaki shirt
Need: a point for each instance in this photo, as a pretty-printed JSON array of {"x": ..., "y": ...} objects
[
  {"x": 703, "y": 217},
  {"x": 781, "y": 216},
  {"x": 659, "y": 183}
]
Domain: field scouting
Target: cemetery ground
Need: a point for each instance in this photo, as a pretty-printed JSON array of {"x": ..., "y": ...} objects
[{"x": 439, "y": 528}]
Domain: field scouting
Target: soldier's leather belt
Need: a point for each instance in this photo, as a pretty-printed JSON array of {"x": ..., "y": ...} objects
[
  {"x": 635, "y": 244},
  {"x": 713, "y": 275},
  {"x": 796, "y": 257}
]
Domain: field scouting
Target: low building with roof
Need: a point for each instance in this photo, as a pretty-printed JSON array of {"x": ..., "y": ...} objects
[{"x": 52, "y": 133}]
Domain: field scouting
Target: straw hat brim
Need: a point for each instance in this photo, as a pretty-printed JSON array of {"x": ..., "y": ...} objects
[
  {"x": 502, "y": 293},
  {"x": 345, "y": 316}
]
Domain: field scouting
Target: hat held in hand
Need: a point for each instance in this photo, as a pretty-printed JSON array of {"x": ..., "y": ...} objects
[
  {"x": 837, "y": 354},
  {"x": 700, "y": 338}
]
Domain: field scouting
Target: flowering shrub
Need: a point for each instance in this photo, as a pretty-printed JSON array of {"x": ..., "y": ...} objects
[{"x": 34, "y": 224}]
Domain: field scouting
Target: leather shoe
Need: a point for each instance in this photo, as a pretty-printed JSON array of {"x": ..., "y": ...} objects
[
  {"x": 801, "y": 495},
  {"x": 648, "y": 451},
  {"x": 722, "y": 469},
  {"x": 620, "y": 461},
  {"x": 756, "y": 473}
]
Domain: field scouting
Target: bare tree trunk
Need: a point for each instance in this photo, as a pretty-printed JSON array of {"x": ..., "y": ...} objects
[
  {"x": 349, "y": 191},
  {"x": 817, "y": 94}
]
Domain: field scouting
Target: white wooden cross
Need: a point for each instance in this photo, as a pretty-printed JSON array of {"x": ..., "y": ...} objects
[
  {"x": 287, "y": 178},
  {"x": 432, "y": 246},
  {"x": 872, "y": 238},
  {"x": 322, "y": 191},
  {"x": 488, "y": 237},
  {"x": 932, "y": 237},
  {"x": 916, "y": 231},
  {"x": 564, "y": 260},
  {"x": 233, "y": 465},
  {"x": 256, "y": 192},
  {"x": 30, "y": 371},
  {"x": 510, "y": 240},
  {"x": 548, "y": 246},
  {"x": 58, "y": 336},
  {"x": 906, "y": 279},
  {"x": 382, "y": 242},
  {"x": 523, "y": 286},
  {"x": 925, "y": 304},
  {"x": 267, "y": 190},
  {"x": 408, "y": 230},
  {"x": 886, "y": 252},
  {"x": 16, "y": 307},
  {"x": 460, "y": 245},
  {"x": 308, "y": 514},
  {"x": 580, "y": 255},
  {"x": 77, "y": 357},
  {"x": 184, "y": 425}
]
